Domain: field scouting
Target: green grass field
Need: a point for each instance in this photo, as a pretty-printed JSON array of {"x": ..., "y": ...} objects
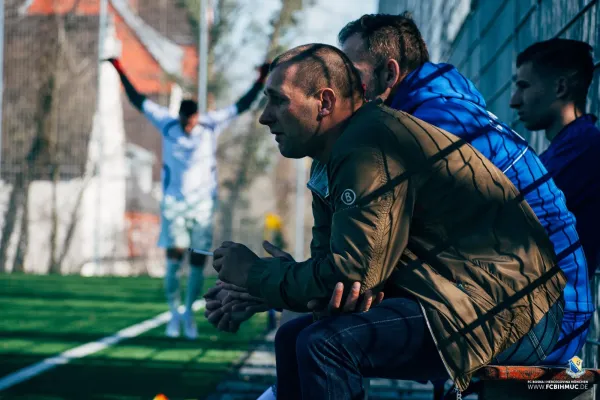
[{"x": 42, "y": 316}]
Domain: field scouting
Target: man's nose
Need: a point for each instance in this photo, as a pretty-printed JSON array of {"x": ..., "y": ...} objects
[
  {"x": 515, "y": 101},
  {"x": 265, "y": 118}
]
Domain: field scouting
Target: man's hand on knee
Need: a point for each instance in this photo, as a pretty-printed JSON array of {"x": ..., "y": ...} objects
[{"x": 355, "y": 303}]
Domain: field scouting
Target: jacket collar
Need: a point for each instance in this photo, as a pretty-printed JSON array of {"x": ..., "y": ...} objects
[{"x": 318, "y": 182}]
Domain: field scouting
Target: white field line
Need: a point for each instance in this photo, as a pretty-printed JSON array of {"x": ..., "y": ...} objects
[{"x": 88, "y": 348}]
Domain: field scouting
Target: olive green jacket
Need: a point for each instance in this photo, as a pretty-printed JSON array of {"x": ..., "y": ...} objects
[{"x": 417, "y": 207}]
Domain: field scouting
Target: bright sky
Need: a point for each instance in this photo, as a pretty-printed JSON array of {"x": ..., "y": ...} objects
[
  {"x": 319, "y": 23},
  {"x": 322, "y": 22}
]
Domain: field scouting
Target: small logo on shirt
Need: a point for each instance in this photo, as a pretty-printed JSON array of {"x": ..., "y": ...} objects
[{"x": 348, "y": 197}]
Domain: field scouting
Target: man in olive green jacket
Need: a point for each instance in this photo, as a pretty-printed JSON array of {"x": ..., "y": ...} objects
[{"x": 472, "y": 271}]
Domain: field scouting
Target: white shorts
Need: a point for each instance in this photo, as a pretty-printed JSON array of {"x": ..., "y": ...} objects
[{"x": 186, "y": 224}]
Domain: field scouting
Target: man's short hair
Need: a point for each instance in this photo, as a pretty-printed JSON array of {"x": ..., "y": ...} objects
[
  {"x": 390, "y": 36},
  {"x": 322, "y": 65},
  {"x": 571, "y": 58},
  {"x": 188, "y": 108}
]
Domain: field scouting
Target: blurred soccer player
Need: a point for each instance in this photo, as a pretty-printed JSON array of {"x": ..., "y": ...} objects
[{"x": 189, "y": 187}]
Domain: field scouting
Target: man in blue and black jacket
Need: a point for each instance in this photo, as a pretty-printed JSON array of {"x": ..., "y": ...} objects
[{"x": 393, "y": 59}]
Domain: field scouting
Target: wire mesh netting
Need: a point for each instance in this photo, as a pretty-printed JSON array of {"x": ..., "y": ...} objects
[
  {"x": 483, "y": 38},
  {"x": 80, "y": 167}
]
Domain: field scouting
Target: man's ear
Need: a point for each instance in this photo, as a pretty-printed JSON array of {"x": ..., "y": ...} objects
[
  {"x": 392, "y": 73},
  {"x": 328, "y": 101},
  {"x": 562, "y": 87}
]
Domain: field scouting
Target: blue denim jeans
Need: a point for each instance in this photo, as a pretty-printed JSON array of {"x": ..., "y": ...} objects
[
  {"x": 328, "y": 359},
  {"x": 574, "y": 332},
  {"x": 534, "y": 348}
]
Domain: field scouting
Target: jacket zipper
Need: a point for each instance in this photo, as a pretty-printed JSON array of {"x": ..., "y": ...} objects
[{"x": 458, "y": 393}]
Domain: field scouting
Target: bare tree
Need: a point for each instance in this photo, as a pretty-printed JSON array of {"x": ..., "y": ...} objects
[
  {"x": 219, "y": 50},
  {"x": 37, "y": 156},
  {"x": 248, "y": 162},
  {"x": 68, "y": 70},
  {"x": 58, "y": 63}
]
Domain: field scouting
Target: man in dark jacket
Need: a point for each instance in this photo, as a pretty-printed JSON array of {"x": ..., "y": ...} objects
[
  {"x": 472, "y": 270},
  {"x": 553, "y": 78},
  {"x": 392, "y": 57}
]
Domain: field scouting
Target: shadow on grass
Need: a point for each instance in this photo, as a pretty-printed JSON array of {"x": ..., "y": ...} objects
[
  {"x": 55, "y": 287},
  {"x": 44, "y": 315},
  {"x": 181, "y": 369},
  {"x": 223, "y": 341},
  {"x": 123, "y": 379},
  {"x": 139, "y": 296},
  {"x": 138, "y": 368}
]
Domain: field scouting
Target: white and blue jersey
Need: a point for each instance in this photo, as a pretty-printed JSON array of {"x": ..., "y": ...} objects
[
  {"x": 189, "y": 175},
  {"x": 189, "y": 161}
]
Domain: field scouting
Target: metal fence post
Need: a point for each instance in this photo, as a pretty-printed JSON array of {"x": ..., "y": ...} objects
[
  {"x": 202, "y": 56},
  {"x": 103, "y": 19},
  {"x": 1, "y": 73}
]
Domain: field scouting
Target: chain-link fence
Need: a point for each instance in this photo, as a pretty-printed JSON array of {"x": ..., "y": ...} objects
[
  {"x": 80, "y": 167},
  {"x": 494, "y": 33},
  {"x": 482, "y": 39}
]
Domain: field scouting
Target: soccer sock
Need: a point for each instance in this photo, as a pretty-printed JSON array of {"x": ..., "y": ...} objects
[
  {"x": 194, "y": 287},
  {"x": 172, "y": 285}
]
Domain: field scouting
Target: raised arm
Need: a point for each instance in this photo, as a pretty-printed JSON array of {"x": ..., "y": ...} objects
[
  {"x": 158, "y": 115},
  {"x": 218, "y": 119},
  {"x": 248, "y": 98},
  {"x": 136, "y": 98}
]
